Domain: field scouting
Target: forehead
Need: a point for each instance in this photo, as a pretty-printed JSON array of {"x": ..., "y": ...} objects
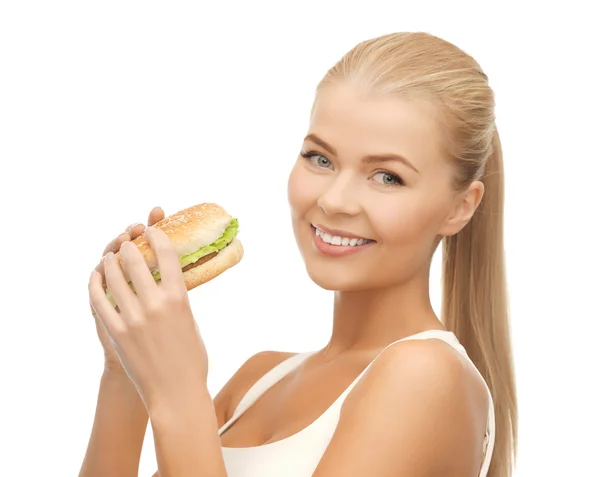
[{"x": 356, "y": 123}]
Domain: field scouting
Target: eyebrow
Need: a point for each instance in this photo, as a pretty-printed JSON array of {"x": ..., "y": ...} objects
[{"x": 370, "y": 159}]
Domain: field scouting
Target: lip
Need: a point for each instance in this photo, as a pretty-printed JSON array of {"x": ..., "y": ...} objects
[
  {"x": 338, "y": 233},
  {"x": 336, "y": 250}
]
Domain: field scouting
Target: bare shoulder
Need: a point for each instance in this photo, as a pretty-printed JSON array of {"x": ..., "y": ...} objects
[
  {"x": 243, "y": 379},
  {"x": 424, "y": 406},
  {"x": 430, "y": 367}
]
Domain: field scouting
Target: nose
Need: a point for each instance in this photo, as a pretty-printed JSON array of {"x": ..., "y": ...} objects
[{"x": 339, "y": 198}]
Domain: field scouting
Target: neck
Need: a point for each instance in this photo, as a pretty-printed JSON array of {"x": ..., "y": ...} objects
[{"x": 368, "y": 320}]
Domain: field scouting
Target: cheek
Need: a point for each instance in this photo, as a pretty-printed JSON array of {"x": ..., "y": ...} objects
[
  {"x": 301, "y": 197},
  {"x": 410, "y": 221},
  {"x": 407, "y": 230}
]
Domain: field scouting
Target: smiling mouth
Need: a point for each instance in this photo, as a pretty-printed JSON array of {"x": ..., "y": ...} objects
[{"x": 340, "y": 240}]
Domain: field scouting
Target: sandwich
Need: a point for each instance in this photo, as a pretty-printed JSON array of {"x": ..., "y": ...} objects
[{"x": 205, "y": 238}]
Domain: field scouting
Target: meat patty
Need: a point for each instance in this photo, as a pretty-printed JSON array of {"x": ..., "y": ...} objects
[
  {"x": 197, "y": 263},
  {"x": 204, "y": 259}
]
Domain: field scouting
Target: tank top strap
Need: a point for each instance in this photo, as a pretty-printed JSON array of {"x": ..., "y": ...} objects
[{"x": 264, "y": 383}]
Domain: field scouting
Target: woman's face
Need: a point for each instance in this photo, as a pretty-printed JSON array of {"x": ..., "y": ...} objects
[{"x": 370, "y": 168}]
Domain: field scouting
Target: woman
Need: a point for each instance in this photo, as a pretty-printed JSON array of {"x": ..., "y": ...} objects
[{"x": 402, "y": 153}]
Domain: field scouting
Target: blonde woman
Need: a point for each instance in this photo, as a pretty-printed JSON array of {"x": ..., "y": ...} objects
[{"x": 402, "y": 154}]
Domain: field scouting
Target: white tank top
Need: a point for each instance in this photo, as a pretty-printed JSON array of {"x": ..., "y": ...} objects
[{"x": 299, "y": 454}]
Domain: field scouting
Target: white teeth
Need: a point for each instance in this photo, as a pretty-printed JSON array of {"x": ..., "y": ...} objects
[{"x": 337, "y": 240}]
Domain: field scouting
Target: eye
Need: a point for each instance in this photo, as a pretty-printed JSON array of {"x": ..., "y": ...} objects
[
  {"x": 387, "y": 178},
  {"x": 317, "y": 159}
]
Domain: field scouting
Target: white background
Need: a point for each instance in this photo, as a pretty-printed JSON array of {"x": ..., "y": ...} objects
[{"x": 110, "y": 108}]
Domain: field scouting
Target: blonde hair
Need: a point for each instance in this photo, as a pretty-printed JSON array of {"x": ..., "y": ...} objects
[{"x": 475, "y": 308}]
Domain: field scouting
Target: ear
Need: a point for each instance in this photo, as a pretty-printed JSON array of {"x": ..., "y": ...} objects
[{"x": 464, "y": 207}]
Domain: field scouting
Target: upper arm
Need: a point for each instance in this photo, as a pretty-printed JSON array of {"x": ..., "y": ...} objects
[{"x": 418, "y": 411}]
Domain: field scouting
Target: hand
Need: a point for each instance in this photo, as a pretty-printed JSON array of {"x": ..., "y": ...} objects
[
  {"x": 112, "y": 363},
  {"x": 154, "y": 331}
]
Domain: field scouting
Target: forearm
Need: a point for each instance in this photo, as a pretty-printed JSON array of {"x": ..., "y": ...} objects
[
  {"x": 118, "y": 432},
  {"x": 186, "y": 437}
]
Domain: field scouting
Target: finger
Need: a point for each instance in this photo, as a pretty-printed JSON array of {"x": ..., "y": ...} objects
[
  {"x": 137, "y": 269},
  {"x": 102, "y": 308},
  {"x": 131, "y": 232},
  {"x": 135, "y": 230},
  {"x": 115, "y": 244},
  {"x": 167, "y": 259},
  {"x": 113, "y": 247},
  {"x": 156, "y": 215},
  {"x": 117, "y": 284}
]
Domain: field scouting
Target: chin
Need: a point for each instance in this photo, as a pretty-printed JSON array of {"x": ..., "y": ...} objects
[{"x": 332, "y": 279}]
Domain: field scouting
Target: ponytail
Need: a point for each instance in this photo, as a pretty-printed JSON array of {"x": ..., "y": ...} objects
[{"x": 475, "y": 306}]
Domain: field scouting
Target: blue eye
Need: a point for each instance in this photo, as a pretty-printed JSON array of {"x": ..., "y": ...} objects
[
  {"x": 317, "y": 159},
  {"x": 387, "y": 178}
]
